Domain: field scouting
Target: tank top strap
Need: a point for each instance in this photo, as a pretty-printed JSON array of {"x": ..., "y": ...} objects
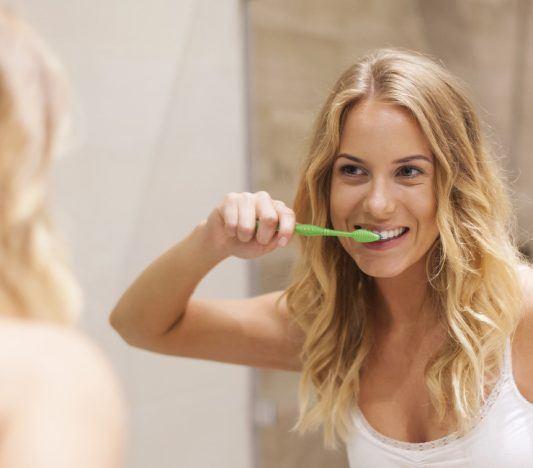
[{"x": 507, "y": 358}]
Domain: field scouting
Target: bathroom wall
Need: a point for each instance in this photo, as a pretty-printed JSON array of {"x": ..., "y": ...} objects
[{"x": 160, "y": 138}]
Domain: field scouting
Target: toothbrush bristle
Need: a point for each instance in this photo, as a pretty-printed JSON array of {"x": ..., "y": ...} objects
[{"x": 363, "y": 235}]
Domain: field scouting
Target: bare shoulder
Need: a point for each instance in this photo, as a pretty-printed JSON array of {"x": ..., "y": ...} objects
[
  {"x": 526, "y": 281},
  {"x": 523, "y": 341},
  {"x": 57, "y": 386},
  {"x": 38, "y": 359},
  {"x": 49, "y": 351}
]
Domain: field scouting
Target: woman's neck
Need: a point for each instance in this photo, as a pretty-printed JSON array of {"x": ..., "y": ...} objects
[{"x": 402, "y": 304}]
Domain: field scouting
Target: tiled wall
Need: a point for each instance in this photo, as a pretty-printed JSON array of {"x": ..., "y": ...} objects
[{"x": 161, "y": 135}]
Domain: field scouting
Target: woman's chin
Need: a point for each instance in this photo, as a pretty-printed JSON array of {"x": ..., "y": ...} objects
[{"x": 379, "y": 271}]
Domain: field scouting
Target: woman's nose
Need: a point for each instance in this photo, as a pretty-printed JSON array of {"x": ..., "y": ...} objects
[{"x": 379, "y": 201}]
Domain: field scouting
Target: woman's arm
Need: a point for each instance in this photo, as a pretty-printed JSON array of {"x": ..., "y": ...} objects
[
  {"x": 157, "y": 312},
  {"x": 157, "y": 299}
]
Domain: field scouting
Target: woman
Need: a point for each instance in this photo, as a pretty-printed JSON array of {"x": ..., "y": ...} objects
[
  {"x": 58, "y": 391},
  {"x": 401, "y": 344}
]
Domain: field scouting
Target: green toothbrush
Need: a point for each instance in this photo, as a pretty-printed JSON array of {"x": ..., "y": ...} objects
[{"x": 359, "y": 235}]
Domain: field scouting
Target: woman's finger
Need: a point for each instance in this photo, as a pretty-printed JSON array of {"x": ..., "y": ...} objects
[
  {"x": 268, "y": 218},
  {"x": 246, "y": 217},
  {"x": 287, "y": 223}
]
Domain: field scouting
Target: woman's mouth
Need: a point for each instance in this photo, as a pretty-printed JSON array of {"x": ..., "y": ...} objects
[{"x": 386, "y": 244}]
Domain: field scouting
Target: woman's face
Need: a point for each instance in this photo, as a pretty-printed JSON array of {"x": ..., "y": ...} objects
[{"x": 369, "y": 188}]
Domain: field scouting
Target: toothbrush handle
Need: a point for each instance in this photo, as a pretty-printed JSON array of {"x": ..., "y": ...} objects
[
  {"x": 312, "y": 230},
  {"x": 308, "y": 230}
]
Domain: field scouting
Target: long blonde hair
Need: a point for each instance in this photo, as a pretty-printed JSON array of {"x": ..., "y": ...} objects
[
  {"x": 34, "y": 279},
  {"x": 471, "y": 268}
]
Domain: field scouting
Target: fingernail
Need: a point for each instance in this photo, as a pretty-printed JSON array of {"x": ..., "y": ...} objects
[{"x": 282, "y": 242}]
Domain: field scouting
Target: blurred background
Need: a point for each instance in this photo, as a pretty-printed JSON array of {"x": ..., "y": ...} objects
[{"x": 179, "y": 102}]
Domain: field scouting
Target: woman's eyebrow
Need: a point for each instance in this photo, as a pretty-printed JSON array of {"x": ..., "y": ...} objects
[{"x": 396, "y": 161}]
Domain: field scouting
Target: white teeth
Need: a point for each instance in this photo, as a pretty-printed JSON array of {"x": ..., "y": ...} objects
[
  {"x": 391, "y": 233},
  {"x": 387, "y": 234}
]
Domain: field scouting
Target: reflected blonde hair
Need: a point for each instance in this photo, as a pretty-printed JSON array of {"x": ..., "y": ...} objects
[
  {"x": 471, "y": 268},
  {"x": 35, "y": 282}
]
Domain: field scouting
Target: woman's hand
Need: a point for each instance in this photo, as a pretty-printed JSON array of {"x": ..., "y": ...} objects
[{"x": 231, "y": 226}]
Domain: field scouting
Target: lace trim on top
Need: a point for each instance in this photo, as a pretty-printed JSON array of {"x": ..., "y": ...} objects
[{"x": 445, "y": 440}]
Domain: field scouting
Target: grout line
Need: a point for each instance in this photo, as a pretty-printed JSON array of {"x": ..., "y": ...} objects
[
  {"x": 159, "y": 143},
  {"x": 519, "y": 83}
]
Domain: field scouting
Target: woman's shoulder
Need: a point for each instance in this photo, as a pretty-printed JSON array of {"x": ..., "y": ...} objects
[
  {"x": 57, "y": 393},
  {"x": 523, "y": 338},
  {"x": 525, "y": 326},
  {"x": 526, "y": 279},
  {"x": 40, "y": 342},
  {"x": 36, "y": 357}
]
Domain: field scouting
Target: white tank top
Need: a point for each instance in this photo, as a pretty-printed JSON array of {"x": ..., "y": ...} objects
[{"x": 502, "y": 437}]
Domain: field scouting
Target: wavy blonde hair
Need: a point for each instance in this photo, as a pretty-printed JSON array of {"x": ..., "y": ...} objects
[
  {"x": 35, "y": 281},
  {"x": 471, "y": 268}
]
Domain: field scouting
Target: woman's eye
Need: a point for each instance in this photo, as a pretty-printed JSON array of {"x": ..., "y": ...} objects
[
  {"x": 411, "y": 168},
  {"x": 348, "y": 167}
]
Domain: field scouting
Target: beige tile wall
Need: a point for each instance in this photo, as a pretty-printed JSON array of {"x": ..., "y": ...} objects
[{"x": 143, "y": 75}]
